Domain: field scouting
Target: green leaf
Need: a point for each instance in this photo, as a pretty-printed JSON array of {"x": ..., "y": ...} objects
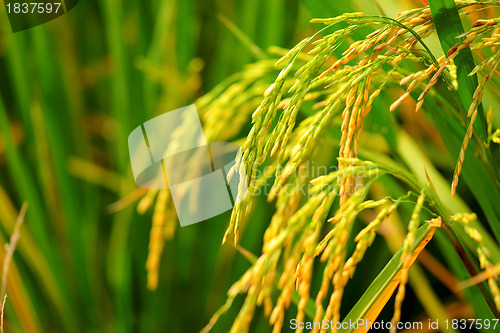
[
  {"x": 448, "y": 27},
  {"x": 381, "y": 289},
  {"x": 481, "y": 178}
]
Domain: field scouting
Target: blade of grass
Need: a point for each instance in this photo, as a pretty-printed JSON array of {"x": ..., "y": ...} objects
[
  {"x": 20, "y": 172},
  {"x": 22, "y": 301},
  {"x": 273, "y": 23},
  {"x": 423, "y": 169},
  {"x": 449, "y": 26},
  {"x": 187, "y": 33},
  {"x": 31, "y": 253},
  {"x": 119, "y": 251},
  {"x": 451, "y": 258},
  {"x": 54, "y": 120},
  {"x": 381, "y": 289},
  {"x": 456, "y": 254},
  {"x": 394, "y": 237},
  {"x": 252, "y": 48},
  {"x": 248, "y": 24},
  {"x": 10, "y": 247},
  {"x": 475, "y": 172},
  {"x": 164, "y": 19},
  {"x": 19, "y": 76}
]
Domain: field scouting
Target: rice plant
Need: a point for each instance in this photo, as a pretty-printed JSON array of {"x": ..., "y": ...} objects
[
  {"x": 369, "y": 137},
  {"x": 344, "y": 89}
]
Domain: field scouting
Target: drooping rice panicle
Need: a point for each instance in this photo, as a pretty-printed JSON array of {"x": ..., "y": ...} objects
[
  {"x": 405, "y": 260},
  {"x": 353, "y": 88},
  {"x": 472, "y": 113},
  {"x": 282, "y": 139},
  {"x": 157, "y": 239}
]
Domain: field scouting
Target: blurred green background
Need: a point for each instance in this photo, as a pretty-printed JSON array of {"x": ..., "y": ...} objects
[{"x": 71, "y": 92}]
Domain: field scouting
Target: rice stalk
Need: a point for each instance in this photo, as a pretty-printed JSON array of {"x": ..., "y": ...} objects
[{"x": 10, "y": 248}]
